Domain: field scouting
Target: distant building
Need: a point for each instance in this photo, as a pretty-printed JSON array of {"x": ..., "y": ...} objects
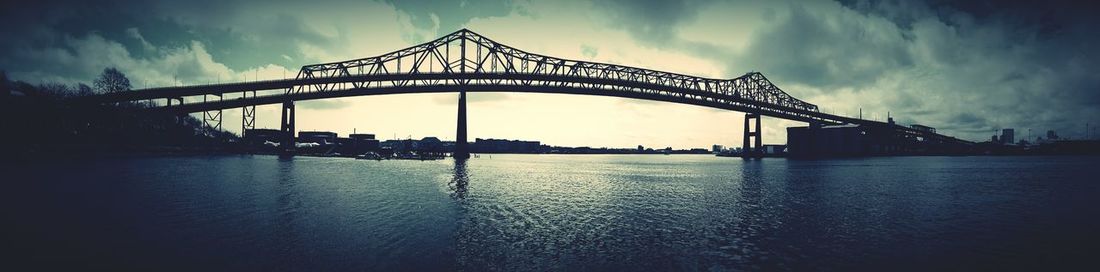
[
  {"x": 1051, "y": 135},
  {"x": 261, "y": 135},
  {"x": 362, "y": 136},
  {"x": 505, "y": 146},
  {"x": 401, "y": 145},
  {"x": 1008, "y": 136},
  {"x": 772, "y": 149},
  {"x": 923, "y": 128},
  {"x": 362, "y": 143},
  {"x": 995, "y": 139},
  {"x": 430, "y": 144},
  {"x": 717, "y": 148},
  {"x": 319, "y": 137},
  {"x": 840, "y": 141}
]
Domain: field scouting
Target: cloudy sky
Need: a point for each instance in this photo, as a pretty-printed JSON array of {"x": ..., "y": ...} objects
[{"x": 966, "y": 68}]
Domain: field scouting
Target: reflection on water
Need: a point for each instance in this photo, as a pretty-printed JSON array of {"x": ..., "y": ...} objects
[
  {"x": 545, "y": 212},
  {"x": 458, "y": 183}
]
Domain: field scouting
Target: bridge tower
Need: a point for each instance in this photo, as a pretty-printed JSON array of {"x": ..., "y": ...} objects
[
  {"x": 179, "y": 101},
  {"x": 287, "y": 129},
  {"x": 748, "y": 151},
  {"x": 462, "y": 150}
]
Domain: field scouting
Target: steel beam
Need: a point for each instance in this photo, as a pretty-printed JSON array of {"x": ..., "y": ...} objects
[
  {"x": 211, "y": 119},
  {"x": 248, "y": 115}
]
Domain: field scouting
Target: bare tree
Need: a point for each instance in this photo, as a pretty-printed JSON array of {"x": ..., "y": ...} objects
[
  {"x": 57, "y": 90},
  {"x": 4, "y": 88},
  {"x": 83, "y": 90},
  {"x": 112, "y": 81}
]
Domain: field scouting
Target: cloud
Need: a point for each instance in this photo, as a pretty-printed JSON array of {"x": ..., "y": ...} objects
[
  {"x": 134, "y": 33},
  {"x": 589, "y": 51},
  {"x": 966, "y": 68},
  {"x": 447, "y": 16},
  {"x": 653, "y": 21},
  {"x": 327, "y": 104}
]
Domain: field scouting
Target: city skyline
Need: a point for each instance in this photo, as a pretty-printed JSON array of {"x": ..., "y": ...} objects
[{"x": 963, "y": 68}]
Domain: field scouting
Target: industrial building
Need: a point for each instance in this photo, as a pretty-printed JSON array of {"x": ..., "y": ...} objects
[
  {"x": 870, "y": 140},
  {"x": 318, "y": 137},
  {"x": 1008, "y": 136},
  {"x": 837, "y": 141},
  {"x": 505, "y": 146},
  {"x": 360, "y": 144}
]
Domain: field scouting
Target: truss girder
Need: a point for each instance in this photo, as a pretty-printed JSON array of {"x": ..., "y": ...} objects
[{"x": 465, "y": 52}]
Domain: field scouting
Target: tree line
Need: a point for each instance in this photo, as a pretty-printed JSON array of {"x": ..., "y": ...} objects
[{"x": 46, "y": 120}]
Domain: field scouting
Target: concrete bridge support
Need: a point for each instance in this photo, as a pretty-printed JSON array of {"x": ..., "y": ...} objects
[
  {"x": 179, "y": 101},
  {"x": 462, "y": 150},
  {"x": 287, "y": 129},
  {"x": 747, "y": 150}
]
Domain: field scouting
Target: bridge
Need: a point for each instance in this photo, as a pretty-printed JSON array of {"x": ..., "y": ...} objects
[{"x": 464, "y": 61}]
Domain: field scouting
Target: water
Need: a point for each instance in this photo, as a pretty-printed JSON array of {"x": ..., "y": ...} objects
[{"x": 545, "y": 212}]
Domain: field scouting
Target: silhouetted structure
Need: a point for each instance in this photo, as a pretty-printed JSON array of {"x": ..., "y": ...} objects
[
  {"x": 319, "y": 137},
  {"x": 1008, "y": 136},
  {"x": 506, "y": 146},
  {"x": 260, "y": 139},
  {"x": 923, "y": 128},
  {"x": 869, "y": 140},
  {"x": 362, "y": 143},
  {"x": 464, "y": 61}
]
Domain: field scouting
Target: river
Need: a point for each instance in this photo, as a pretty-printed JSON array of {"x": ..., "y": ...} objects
[{"x": 553, "y": 212}]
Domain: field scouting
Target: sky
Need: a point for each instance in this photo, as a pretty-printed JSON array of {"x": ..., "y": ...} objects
[{"x": 967, "y": 68}]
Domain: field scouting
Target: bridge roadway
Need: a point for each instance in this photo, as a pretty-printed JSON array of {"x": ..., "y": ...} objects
[
  {"x": 219, "y": 89},
  {"x": 552, "y": 84}
]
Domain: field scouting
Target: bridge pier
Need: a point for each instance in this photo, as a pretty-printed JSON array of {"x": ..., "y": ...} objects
[
  {"x": 179, "y": 117},
  {"x": 248, "y": 115},
  {"x": 747, "y": 150},
  {"x": 462, "y": 150},
  {"x": 211, "y": 120},
  {"x": 286, "y": 146}
]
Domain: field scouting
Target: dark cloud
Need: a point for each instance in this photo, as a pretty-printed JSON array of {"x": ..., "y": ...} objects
[
  {"x": 449, "y": 15},
  {"x": 652, "y": 21},
  {"x": 826, "y": 50},
  {"x": 966, "y": 67}
]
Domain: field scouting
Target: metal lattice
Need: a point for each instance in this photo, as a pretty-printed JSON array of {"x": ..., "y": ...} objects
[{"x": 465, "y": 58}]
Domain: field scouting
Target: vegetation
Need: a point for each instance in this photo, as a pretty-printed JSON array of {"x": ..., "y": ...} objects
[
  {"x": 112, "y": 81},
  {"x": 48, "y": 120}
]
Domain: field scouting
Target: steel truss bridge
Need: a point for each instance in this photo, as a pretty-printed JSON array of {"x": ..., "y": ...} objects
[{"x": 464, "y": 61}]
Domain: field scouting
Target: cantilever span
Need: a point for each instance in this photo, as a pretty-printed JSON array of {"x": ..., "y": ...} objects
[
  {"x": 464, "y": 58},
  {"x": 464, "y": 61}
]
